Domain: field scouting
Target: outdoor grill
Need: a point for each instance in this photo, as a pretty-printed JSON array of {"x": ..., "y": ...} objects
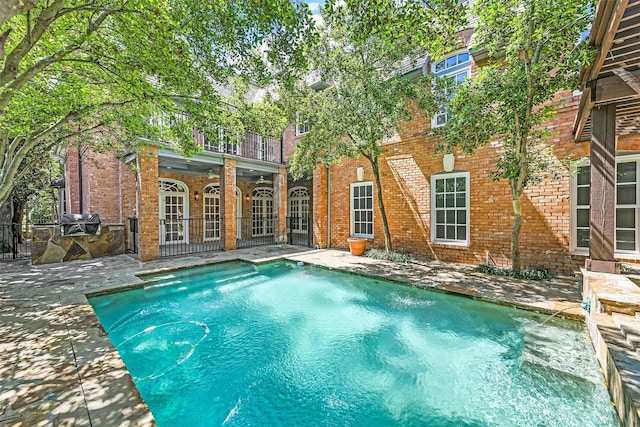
[{"x": 79, "y": 223}]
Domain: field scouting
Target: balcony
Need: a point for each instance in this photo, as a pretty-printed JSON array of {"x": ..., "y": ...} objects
[{"x": 252, "y": 146}]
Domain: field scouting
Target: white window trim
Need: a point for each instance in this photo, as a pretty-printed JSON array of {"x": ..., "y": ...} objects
[
  {"x": 351, "y": 211},
  {"x": 573, "y": 248},
  {"x": 435, "y": 240},
  {"x": 304, "y": 124},
  {"x": 454, "y": 71}
]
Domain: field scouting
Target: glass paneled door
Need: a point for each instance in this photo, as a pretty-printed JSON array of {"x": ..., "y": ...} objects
[
  {"x": 211, "y": 213},
  {"x": 262, "y": 212},
  {"x": 173, "y": 212},
  {"x": 299, "y": 210}
]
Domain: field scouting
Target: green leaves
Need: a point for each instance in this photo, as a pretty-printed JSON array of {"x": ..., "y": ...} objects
[
  {"x": 535, "y": 50},
  {"x": 99, "y": 70}
]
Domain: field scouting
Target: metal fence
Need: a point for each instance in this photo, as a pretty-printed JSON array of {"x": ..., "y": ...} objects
[
  {"x": 190, "y": 236},
  {"x": 300, "y": 230},
  {"x": 133, "y": 235},
  {"x": 15, "y": 240},
  {"x": 255, "y": 231}
]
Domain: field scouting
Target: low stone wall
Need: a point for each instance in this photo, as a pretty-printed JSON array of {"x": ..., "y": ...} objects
[{"x": 50, "y": 246}]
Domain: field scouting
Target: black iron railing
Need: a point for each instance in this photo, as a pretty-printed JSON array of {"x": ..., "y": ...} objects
[
  {"x": 300, "y": 230},
  {"x": 15, "y": 240},
  {"x": 133, "y": 235},
  {"x": 190, "y": 236},
  {"x": 252, "y": 146},
  {"x": 256, "y": 231}
]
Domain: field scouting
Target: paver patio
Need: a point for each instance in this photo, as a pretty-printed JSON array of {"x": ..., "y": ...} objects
[{"x": 58, "y": 367}]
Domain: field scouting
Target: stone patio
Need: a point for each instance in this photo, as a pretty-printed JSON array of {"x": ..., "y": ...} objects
[{"x": 59, "y": 368}]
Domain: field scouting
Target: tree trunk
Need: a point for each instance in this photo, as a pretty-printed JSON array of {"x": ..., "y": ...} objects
[
  {"x": 385, "y": 222},
  {"x": 11, "y": 8},
  {"x": 6, "y": 229},
  {"x": 515, "y": 233},
  {"x": 18, "y": 216}
]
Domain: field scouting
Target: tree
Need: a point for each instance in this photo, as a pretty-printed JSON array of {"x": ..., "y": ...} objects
[
  {"x": 535, "y": 51},
  {"x": 360, "y": 53},
  {"x": 97, "y": 70}
]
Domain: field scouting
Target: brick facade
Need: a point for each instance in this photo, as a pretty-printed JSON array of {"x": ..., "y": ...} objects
[
  {"x": 228, "y": 204},
  {"x": 406, "y": 168},
  {"x": 148, "y": 216}
]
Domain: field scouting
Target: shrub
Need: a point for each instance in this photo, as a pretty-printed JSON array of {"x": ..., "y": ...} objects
[
  {"x": 538, "y": 273},
  {"x": 388, "y": 255}
]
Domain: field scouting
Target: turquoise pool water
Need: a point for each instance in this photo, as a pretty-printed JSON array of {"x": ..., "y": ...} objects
[{"x": 283, "y": 345}]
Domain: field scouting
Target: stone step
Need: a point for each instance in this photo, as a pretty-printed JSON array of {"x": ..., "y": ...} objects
[
  {"x": 630, "y": 328},
  {"x": 559, "y": 350}
]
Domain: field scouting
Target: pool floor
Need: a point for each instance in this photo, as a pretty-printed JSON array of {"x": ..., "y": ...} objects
[{"x": 280, "y": 344}]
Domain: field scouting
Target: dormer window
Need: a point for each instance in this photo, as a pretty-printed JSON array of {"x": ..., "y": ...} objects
[{"x": 456, "y": 66}]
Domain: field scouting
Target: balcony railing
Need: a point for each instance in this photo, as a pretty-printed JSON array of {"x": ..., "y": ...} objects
[{"x": 252, "y": 146}]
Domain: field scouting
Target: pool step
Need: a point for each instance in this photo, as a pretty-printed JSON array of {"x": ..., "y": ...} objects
[
  {"x": 557, "y": 349},
  {"x": 630, "y": 328},
  {"x": 217, "y": 273}
]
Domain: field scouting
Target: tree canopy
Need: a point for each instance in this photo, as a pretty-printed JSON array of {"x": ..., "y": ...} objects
[
  {"x": 535, "y": 50},
  {"x": 362, "y": 54},
  {"x": 97, "y": 70}
]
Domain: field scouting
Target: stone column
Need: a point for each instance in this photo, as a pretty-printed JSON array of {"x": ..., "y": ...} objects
[
  {"x": 148, "y": 205},
  {"x": 603, "y": 190},
  {"x": 228, "y": 204},
  {"x": 320, "y": 199},
  {"x": 280, "y": 205}
]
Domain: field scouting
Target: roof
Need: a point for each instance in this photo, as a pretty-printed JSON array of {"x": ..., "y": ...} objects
[{"x": 614, "y": 75}]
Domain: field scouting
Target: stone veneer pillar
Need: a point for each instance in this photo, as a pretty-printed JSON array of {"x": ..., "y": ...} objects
[
  {"x": 148, "y": 205},
  {"x": 280, "y": 204},
  {"x": 320, "y": 198},
  {"x": 228, "y": 204}
]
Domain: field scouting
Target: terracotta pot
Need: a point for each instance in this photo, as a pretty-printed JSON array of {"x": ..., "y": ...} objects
[{"x": 357, "y": 245}]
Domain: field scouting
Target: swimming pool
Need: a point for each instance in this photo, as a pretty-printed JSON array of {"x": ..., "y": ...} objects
[{"x": 280, "y": 344}]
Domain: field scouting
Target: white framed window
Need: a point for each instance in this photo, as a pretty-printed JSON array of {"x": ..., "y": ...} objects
[
  {"x": 450, "y": 208},
  {"x": 627, "y": 206},
  {"x": 362, "y": 209},
  {"x": 302, "y": 124},
  {"x": 456, "y": 66}
]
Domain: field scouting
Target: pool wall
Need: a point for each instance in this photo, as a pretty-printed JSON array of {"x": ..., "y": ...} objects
[{"x": 614, "y": 303}]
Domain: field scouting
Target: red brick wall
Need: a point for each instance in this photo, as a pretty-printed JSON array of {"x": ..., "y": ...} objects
[
  {"x": 72, "y": 181},
  {"x": 289, "y": 141},
  {"x": 101, "y": 185},
  {"x": 228, "y": 203},
  {"x": 320, "y": 203},
  {"x": 406, "y": 168},
  {"x": 148, "y": 218}
]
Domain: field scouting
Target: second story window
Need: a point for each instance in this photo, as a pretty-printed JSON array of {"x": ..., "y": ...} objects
[
  {"x": 456, "y": 66},
  {"x": 302, "y": 124}
]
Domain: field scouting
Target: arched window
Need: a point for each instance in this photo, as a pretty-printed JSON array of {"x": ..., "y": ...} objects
[
  {"x": 298, "y": 200},
  {"x": 211, "y": 206},
  {"x": 173, "y": 211},
  {"x": 262, "y": 211},
  {"x": 456, "y": 66}
]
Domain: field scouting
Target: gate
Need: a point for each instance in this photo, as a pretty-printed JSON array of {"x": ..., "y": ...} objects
[
  {"x": 300, "y": 231},
  {"x": 15, "y": 240}
]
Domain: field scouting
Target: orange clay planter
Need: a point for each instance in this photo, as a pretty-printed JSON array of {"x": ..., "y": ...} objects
[{"x": 357, "y": 245}]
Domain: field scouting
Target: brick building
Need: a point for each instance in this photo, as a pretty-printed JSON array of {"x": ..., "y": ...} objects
[
  {"x": 230, "y": 196},
  {"x": 227, "y": 196}
]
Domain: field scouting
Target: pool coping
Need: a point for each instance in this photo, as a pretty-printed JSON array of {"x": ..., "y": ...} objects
[{"x": 97, "y": 389}]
